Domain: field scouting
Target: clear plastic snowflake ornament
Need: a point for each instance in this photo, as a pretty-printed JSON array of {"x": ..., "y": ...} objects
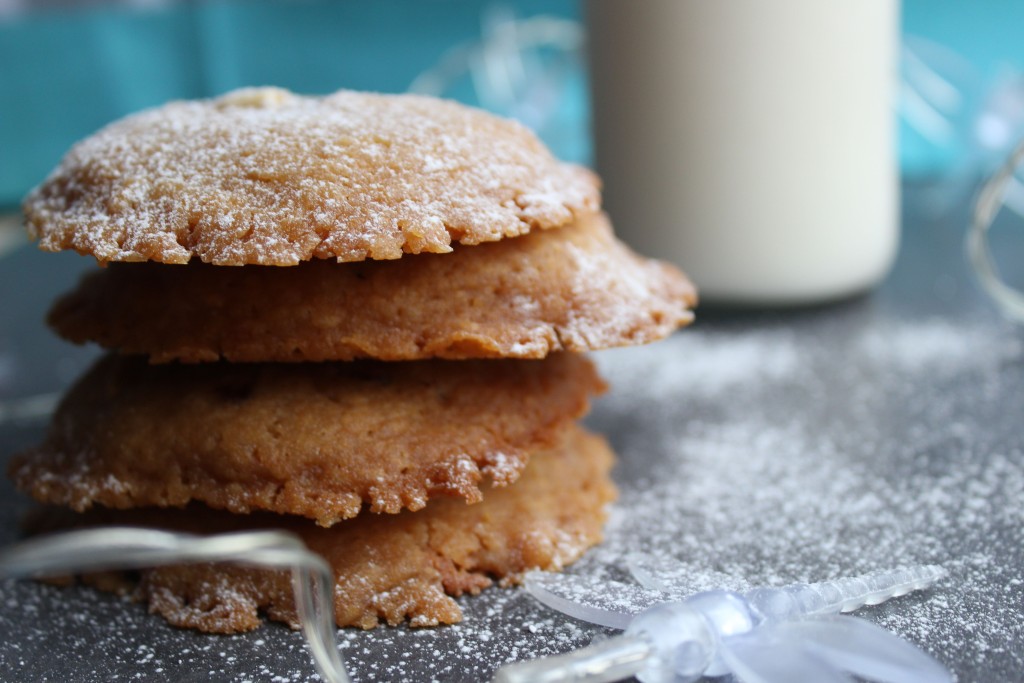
[{"x": 766, "y": 635}]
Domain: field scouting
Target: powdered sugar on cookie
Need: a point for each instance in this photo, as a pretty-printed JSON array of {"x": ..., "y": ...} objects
[{"x": 263, "y": 176}]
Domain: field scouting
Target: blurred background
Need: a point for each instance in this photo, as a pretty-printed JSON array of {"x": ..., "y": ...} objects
[{"x": 67, "y": 68}]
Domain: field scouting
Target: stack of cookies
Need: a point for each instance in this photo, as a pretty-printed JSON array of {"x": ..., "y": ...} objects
[{"x": 356, "y": 317}]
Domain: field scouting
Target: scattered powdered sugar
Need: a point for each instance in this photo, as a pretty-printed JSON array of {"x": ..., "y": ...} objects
[
  {"x": 783, "y": 466},
  {"x": 768, "y": 454},
  {"x": 935, "y": 345},
  {"x": 710, "y": 362}
]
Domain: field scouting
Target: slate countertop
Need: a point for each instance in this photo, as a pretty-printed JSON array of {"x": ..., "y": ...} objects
[{"x": 756, "y": 447}]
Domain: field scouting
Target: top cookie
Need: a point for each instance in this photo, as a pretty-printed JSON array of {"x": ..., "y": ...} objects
[{"x": 263, "y": 176}]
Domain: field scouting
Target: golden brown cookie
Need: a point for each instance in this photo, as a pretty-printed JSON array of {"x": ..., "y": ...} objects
[
  {"x": 389, "y": 567},
  {"x": 263, "y": 176},
  {"x": 572, "y": 289},
  {"x": 317, "y": 440}
]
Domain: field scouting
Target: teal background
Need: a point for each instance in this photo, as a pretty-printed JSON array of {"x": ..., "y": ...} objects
[{"x": 63, "y": 75}]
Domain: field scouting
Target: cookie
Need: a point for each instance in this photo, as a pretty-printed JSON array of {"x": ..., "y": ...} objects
[
  {"x": 388, "y": 567},
  {"x": 263, "y": 176},
  {"x": 572, "y": 289},
  {"x": 318, "y": 440}
]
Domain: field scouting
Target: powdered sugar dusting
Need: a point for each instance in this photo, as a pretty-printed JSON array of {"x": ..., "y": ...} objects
[
  {"x": 618, "y": 298},
  {"x": 264, "y": 176},
  {"x": 770, "y": 454},
  {"x": 780, "y": 466}
]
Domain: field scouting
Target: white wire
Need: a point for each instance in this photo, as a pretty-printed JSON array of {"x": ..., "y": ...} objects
[
  {"x": 990, "y": 200},
  {"x": 478, "y": 58},
  {"x": 91, "y": 550}
]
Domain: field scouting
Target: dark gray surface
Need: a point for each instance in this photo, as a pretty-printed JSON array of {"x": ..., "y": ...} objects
[{"x": 756, "y": 448}]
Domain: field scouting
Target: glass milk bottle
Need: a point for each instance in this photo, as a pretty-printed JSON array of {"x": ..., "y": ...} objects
[{"x": 751, "y": 141}]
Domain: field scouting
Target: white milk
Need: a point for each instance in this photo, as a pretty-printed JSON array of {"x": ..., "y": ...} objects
[{"x": 750, "y": 141}]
